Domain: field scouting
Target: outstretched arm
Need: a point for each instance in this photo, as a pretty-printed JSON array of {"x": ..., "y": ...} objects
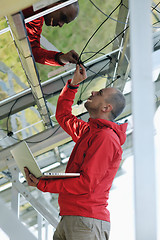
[
  {"x": 43, "y": 56},
  {"x": 70, "y": 123}
]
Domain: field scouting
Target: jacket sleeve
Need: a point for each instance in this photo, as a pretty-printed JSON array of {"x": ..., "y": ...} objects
[
  {"x": 102, "y": 160},
  {"x": 41, "y": 55},
  {"x": 70, "y": 123}
]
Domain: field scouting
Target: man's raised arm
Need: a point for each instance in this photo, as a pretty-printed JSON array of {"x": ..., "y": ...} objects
[{"x": 70, "y": 123}]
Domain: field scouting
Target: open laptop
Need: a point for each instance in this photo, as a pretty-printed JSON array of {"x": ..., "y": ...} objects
[{"x": 24, "y": 158}]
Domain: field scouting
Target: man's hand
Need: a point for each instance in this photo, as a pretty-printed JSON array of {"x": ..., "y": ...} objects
[
  {"x": 31, "y": 179},
  {"x": 70, "y": 57},
  {"x": 79, "y": 75}
]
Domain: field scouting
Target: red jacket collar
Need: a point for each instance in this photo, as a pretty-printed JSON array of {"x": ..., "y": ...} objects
[{"x": 119, "y": 129}]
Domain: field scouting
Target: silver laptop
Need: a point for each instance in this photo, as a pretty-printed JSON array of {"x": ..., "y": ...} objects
[{"x": 24, "y": 158}]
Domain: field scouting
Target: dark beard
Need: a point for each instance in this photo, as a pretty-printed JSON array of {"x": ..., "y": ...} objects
[{"x": 91, "y": 110}]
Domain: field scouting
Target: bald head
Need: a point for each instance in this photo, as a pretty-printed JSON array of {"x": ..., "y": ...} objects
[
  {"x": 63, "y": 15},
  {"x": 117, "y": 100},
  {"x": 106, "y": 103},
  {"x": 75, "y": 4}
]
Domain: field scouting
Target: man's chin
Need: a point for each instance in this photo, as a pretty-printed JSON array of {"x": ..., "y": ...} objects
[
  {"x": 86, "y": 105},
  {"x": 47, "y": 22}
]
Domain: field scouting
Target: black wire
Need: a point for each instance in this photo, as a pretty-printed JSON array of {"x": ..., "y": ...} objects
[
  {"x": 156, "y": 23},
  {"x": 100, "y": 75},
  {"x": 121, "y": 3},
  {"x": 107, "y": 44},
  {"x": 2, "y": 129},
  {"x": 124, "y": 5},
  {"x": 109, "y": 83},
  {"x": 46, "y": 137},
  {"x": 9, "y": 133},
  {"x": 63, "y": 81},
  {"x": 155, "y": 6},
  {"x": 82, "y": 90},
  {"x": 155, "y": 10},
  {"x": 113, "y": 81},
  {"x": 156, "y": 43},
  {"x": 20, "y": 140},
  {"x": 97, "y": 31},
  {"x": 105, "y": 13}
]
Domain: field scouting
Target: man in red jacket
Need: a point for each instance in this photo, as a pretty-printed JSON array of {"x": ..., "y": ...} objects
[
  {"x": 96, "y": 156},
  {"x": 56, "y": 18}
]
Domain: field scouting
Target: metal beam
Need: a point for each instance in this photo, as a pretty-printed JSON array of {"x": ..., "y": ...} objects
[
  {"x": 121, "y": 59},
  {"x": 52, "y": 9},
  {"x": 19, "y": 34}
]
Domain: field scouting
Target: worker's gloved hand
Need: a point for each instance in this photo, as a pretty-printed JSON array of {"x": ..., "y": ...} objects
[
  {"x": 31, "y": 179},
  {"x": 70, "y": 57}
]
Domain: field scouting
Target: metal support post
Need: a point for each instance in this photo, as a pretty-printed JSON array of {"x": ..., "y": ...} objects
[
  {"x": 37, "y": 205},
  {"x": 15, "y": 201},
  {"x": 15, "y": 196},
  {"x": 143, "y": 113},
  {"x": 10, "y": 224},
  {"x": 40, "y": 225},
  {"x": 46, "y": 230}
]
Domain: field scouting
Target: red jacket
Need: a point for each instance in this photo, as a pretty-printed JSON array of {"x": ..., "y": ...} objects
[
  {"x": 96, "y": 155},
  {"x": 34, "y": 30}
]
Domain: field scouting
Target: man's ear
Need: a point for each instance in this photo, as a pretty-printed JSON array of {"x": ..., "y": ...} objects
[{"x": 107, "y": 108}]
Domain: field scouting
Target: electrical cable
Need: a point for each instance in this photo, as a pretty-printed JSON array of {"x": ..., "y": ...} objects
[
  {"x": 156, "y": 43},
  {"x": 107, "y": 44},
  {"x": 155, "y": 9},
  {"x": 83, "y": 90},
  {"x": 155, "y": 6},
  {"x": 2, "y": 129},
  {"x": 97, "y": 31},
  {"x": 113, "y": 81},
  {"x": 10, "y": 133},
  {"x": 156, "y": 23},
  {"x": 105, "y": 13},
  {"x": 46, "y": 137},
  {"x": 109, "y": 83},
  {"x": 63, "y": 81},
  {"x": 19, "y": 140},
  {"x": 121, "y": 3},
  {"x": 100, "y": 75}
]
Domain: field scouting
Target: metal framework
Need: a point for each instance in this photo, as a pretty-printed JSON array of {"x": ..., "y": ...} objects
[{"x": 18, "y": 30}]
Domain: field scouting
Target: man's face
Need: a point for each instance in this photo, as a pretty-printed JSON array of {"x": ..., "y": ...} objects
[
  {"x": 61, "y": 16},
  {"x": 98, "y": 100}
]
